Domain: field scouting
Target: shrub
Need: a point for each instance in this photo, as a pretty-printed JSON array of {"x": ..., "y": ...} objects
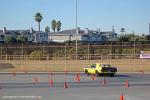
[{"x": 36, "y": 55}]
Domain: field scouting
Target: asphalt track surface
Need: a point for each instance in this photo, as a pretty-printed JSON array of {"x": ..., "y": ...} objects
[{"x": 37, "y": 87}]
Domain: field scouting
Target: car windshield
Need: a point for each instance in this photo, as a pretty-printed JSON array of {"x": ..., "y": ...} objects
[
  {"x": 105, "y": 65},
  {"x": 93, "y": 66}
]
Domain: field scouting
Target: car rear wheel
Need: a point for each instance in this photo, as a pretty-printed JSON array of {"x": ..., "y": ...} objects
[
  {"x": 101, "y": 74},
  {"x": 97, "y": 73},
  {"x": 112, "y": 75}
]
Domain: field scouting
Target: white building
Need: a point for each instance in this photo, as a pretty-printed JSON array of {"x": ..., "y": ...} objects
[
  {"x": 40, "y": 37},
  {"x": 83, "y": 36},
  {"x": 60, "y": 38}
]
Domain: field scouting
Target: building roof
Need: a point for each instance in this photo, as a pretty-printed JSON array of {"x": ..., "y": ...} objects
[
  {"x": 73, "y": 32},
  {"x": 17, "y": 31}
]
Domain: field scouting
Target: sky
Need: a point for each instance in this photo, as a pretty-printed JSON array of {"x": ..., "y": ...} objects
[{"x": 133, "y": 15}]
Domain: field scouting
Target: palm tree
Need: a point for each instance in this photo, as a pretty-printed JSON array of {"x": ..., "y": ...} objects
[
  {"x": 53, "y": 25},
  {"x": 58, "y": 26},
  {"x": 38, "y": 17}
]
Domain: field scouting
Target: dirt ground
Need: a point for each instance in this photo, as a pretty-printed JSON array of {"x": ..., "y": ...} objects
[{"x": 123, "y": 65}]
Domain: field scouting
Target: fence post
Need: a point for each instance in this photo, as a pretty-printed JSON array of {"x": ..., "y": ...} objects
[
  {"x": 6, "y": 57},
  {"x": 22, "y": 55},
  {"x": 65, "y": 58},
  {"x": 134, "y": 57},
  {"x": 22, "y": 52},
  {"x": 88, "y": 50},
  {"x": 1, "y": 51},
  {"x": 47, "y": 56},
  {"x": 101, "y": 57}
]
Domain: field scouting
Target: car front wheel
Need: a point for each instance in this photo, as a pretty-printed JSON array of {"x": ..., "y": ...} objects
[{"x": 86, "y": 72}]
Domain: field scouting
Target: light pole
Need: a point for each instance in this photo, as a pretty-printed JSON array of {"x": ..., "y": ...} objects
[
  {"x": 76, "y": 29},
  {"x": 149, "y": 28}
]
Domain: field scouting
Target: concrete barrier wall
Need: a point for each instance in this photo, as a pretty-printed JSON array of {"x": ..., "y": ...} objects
[{"x": 123, "y": 65}]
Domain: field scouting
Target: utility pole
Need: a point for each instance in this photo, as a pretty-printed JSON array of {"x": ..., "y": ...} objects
[
  {"x": 76, "y": 30},
  {"x": 134, "y": 56},
  {"x": 1, "y": 51},
  {"x": 65, "y": 58},
  {"x": 22, "y": 54},
  {"x": 149, "y": 28}
]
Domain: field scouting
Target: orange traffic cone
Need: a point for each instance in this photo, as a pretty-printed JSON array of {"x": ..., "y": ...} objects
[
  {"x": 104, "y": 81},
  {"x": 65, "y": 85},
  {"x": 127, "y": 84},
  {"x": 141, "y": 71},
  {"x": 93, "y": 77},
  {"x": 51, "y": 83},
  {"x": 35, "y": 80},
  {"x": 66, "y": 72},
  {"x": 122, "y": 97},
  {"x": 78, "y": 78}
]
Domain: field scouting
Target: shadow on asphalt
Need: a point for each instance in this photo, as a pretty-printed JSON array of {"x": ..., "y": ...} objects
[
  {"x": 6, "y": 66},
  {"x": 122, "y": 75},
  {"x": 63, "y": 74}
]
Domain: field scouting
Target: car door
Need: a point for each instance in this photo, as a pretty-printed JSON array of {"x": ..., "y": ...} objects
[{"x": 92, "y": 69}]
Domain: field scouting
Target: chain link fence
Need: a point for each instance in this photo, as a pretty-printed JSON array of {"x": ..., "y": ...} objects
[
  {"x": 68, "y": 51},
  {"x": 48, "y": 57}
]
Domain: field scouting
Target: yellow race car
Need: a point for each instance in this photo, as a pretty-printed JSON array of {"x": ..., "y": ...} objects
[{"x": 100, "y": 69}]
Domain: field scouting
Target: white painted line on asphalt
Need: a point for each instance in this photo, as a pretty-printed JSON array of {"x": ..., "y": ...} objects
[
  {"x": 70, "y": 72},
  {"x": 132, "y": 83}
]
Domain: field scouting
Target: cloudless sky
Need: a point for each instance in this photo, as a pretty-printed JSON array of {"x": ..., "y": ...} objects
[{"x": 133, "y": 15}]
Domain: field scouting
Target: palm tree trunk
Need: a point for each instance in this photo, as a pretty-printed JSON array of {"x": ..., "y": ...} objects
[
  {"x": 39, "y": 26},
  {"x": 54, "y": 30}
]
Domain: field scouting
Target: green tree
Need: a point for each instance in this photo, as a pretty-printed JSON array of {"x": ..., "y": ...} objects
[
  {"x": 10, "y": 39},
  {"x": 36, "y": 55},
  {"x": 38, "y": 18},
  {"x": 143, "y": 38},
  {"x": 47, "y": 29},
  {"x": 22, "y": 39},
  {"x": 53, "y": 25},
  {"x": 133, "y": 37},
  {"x": 124, "y": 38},
  {"x": 148, "y": 37},
  {"x": 58, "y": 26}
]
